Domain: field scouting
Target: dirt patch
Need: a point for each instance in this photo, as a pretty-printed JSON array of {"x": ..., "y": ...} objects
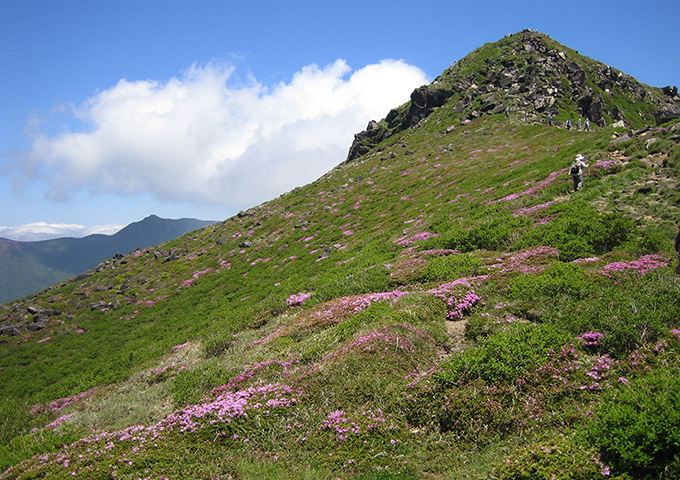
[{"x": 456, "y": 333}]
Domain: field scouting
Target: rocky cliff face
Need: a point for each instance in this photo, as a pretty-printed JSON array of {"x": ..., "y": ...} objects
[{"x": 531, "y": 75}]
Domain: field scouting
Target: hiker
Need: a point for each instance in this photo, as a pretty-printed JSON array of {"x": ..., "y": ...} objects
[
  {"x": 569, "y": 124},
  {"x": 576, "y": 171},
  {"x": 550, "y": 120},
  {"x": 587, "y": 125},
  {"x": 677, "y": 249},
  {"x": 578, "y": 124}
]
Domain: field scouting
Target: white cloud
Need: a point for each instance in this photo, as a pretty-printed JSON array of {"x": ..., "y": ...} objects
[
  {"x": 205, "y": 138},
  {"x": 37, "y": 231}
]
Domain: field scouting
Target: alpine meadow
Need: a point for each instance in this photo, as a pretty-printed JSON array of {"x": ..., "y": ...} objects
[{"x": 441, "y": 305}]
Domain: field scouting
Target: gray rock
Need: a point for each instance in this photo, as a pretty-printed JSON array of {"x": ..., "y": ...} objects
[
  {"x": 667, "y": 113},
  {"x": 650, "y": 141}
]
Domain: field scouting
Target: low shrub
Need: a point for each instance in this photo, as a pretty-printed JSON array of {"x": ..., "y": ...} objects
[
  {"x": 629, "y": 311},
  {"x": 217, "y": 345},
  {"x": 504, "y": 356},
  {"x": 190, "y": 386},
  {"x": 557, "y": 458},
  {"x": 451, "y": 267},
  {"x": 579, "y": 231},
  {"x": 490, "y": 228},
  {"x": 635, "y": 426},
  {"x": 651, "y": 240},
  {"x": 556, "y": 280}
]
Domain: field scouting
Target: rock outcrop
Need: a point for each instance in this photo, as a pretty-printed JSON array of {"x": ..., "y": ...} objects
[{"x": 534, "y": 76}]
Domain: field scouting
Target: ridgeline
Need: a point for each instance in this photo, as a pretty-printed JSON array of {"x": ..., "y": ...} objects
[{"x": 441, "y": 305}]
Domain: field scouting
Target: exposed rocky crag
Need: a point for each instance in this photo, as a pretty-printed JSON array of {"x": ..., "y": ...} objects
[{"x": 530, "y": 75}]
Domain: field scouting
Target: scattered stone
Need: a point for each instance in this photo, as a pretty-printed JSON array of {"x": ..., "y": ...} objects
[{"x": 650, "y": 141}]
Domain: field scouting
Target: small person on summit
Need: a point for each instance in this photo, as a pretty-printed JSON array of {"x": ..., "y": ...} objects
[{"x": 576, "y": 171}]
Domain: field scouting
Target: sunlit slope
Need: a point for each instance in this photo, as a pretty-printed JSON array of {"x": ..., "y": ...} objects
[{"x": 442, "y": 306}]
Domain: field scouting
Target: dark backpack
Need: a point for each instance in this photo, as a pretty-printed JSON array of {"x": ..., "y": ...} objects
[{"x": 575, "y": 170}]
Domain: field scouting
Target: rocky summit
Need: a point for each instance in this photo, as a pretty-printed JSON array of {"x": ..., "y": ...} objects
[
  {"x": 443, "y": 305},
  {"x": 532, "y": 74}
]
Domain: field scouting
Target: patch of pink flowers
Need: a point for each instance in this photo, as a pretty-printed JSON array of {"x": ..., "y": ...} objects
[
  {"x": 641, "y": 266},
  {"x": 533, "y": 190},
  {"x": 606, "y": 164},
  {"x": 517, "y": 262},
  {"x": 156, "y": 375},
  {"x": 177, "y": 348},
  {"x": 250, "y": 370},
  {"x": 458, "y": 295},
  {"x": 340, "y": 308},
  {"x": 225, "y": 408},
  {"x": 231, "y": 405},
  {"x": 381, "y": 341},
  {"x": 406, "y": 240},
  {"x": 57, "y": 405},
  {"x": 529, "y": 210},
  {"x": 298, "y": 299},
  {"x": 343, "y": 426},
  {"x": 676, "y": 334},
  {"x": 591, "y": 339}
]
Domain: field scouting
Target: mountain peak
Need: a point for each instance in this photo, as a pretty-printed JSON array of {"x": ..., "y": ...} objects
[{"x": 531, "y": 75}]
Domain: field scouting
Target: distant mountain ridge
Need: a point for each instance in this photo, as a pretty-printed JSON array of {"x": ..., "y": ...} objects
[{"x": 28, "y": 267}]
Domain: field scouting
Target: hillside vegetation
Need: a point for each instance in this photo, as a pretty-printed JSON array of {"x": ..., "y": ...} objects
[
  {"x": 442, "y": 306},
  {"x": 28, "y": 267}
]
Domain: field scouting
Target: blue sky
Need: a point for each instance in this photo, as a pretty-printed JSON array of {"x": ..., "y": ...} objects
[{"x": 112, "y": 111}]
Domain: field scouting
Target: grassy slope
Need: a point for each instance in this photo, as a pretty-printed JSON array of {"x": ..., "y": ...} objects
[{"x": 368, "y": 386}]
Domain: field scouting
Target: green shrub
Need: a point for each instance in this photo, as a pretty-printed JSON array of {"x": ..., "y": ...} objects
[
  {"x": 372, "y": 314},
  {"x": 43, "y": 440},
  {"x": 489, "y": 228},
  {"x": 556, "y": 280},
  {"x": 651, "y": 240},
  {"x": 190, "y": 386},
  {"x": 217, "y": 345},
  {"x": 661, "y": 146},
  {"x": 556, "y": 458},
  {"x": 502, "y": 357},
  {"x": 635, "y": 310},
  {"x": 579, "y": 231},
  {"x": 636, "y": 426},
  {"x": 452, "y": 266}
]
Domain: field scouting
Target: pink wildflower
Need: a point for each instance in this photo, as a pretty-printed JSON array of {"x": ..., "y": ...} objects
[{"x": 298, "y": 299}]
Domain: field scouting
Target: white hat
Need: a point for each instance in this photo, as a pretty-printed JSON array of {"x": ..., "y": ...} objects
[{"x": 579, "y": 157}]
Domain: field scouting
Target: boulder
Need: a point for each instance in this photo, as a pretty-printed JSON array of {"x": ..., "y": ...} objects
[
  {"x": 576, "y": 75},
  {"x": 34, "y": 310},
  {"x": 670, "y": 91},
  {"x": 365, "y": 140},
  {"x": 544, "y": 102},
  {"x": 9, "y": 329},
  {"x": 649, "y": 142},
  {"x": 591, "y": 107},
  {"x": 667, "y": 113},
  {"x": 423, "y": 100},
  {"x": 36, "y": 326},
  {"x": 505, "y": 81}
]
